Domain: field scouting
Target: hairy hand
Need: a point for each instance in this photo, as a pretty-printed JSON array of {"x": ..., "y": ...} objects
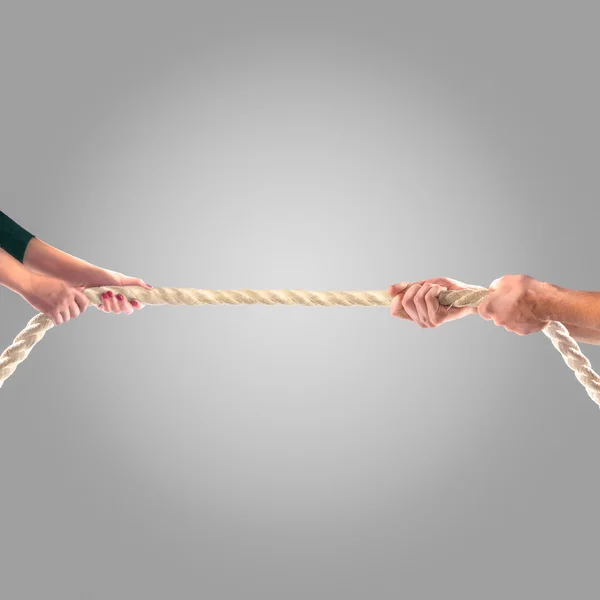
[{"x": 512, "y": 304}]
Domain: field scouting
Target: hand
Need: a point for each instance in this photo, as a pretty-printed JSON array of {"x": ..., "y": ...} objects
[
  {"x": 117, "y": 304},
  {"x": 513, "y": 304},
  {"x": 420, "y": 304},
  {"x": 55, "y": 298}
]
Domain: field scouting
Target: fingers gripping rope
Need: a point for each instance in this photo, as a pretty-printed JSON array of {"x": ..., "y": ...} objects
[{"x": 35, "y": 330}]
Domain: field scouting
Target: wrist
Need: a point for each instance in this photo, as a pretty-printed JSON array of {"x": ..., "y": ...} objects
[
  {"x": 24, "y": 283},
  {"x": 97, "y": 276},
  {"x": 546, "y": 301},
  {"x": 44, "y": 259}
]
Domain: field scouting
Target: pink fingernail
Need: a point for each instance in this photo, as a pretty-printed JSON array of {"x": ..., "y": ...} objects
[{"x": 110, "y": 294}]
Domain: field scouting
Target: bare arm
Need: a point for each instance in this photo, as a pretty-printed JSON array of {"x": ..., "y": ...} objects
[
  {"x": 583, "y": 335},
  {"x": 52, "y": 280},
  {"x": 13, "y": 274},
  {"x": 45, "y": 259},
  {"x": 578, "y": 311},
  {"x": 520, "y": 304}
]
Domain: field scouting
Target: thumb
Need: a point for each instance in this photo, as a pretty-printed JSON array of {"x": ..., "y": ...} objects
[
  {"x": 397, "y": 288},
  {"x": 138, "y": 281}
]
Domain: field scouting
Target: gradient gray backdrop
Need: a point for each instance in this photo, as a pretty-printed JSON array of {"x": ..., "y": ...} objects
[{"x": 285, "y": 452}]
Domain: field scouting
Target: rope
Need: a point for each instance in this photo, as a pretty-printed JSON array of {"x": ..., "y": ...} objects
[{"x": 35, "y": 330}]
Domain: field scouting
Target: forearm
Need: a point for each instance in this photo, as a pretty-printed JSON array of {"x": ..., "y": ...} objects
[
  {"x": 13, "y": 274},
  {"x": 42, "y": 258},
  {"x": 584, "y": 335},
  {"x": 578, "y": 311}
]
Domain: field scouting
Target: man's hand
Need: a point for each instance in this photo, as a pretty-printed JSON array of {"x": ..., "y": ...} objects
[
  {"x": 514, "y": 304},
  {"x": 55, "y": 298},
  {"x": 419, "y": 302}
]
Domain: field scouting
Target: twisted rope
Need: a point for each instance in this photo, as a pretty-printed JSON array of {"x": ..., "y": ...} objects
[{"x": 35, "y": 330}]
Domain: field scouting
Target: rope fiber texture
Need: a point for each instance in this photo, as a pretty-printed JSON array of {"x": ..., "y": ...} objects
[{"x": 35, "y": 330}]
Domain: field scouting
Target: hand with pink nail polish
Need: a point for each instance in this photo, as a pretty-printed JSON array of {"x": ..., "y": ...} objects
[
  {"x": 53, "y": 282},
  {"x": 117, "y": 303}
]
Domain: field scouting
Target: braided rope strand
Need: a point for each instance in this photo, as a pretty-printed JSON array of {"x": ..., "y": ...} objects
[
  {"x": 37, "y": 327},
  {"x": 193, "y": 297}
]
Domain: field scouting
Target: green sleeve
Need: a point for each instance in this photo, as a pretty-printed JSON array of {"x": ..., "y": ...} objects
[{"x": 13, "y": 238}]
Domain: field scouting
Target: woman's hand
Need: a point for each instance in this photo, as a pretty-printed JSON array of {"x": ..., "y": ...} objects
[
  {"x": 117, "y": 304},
  {"x": 419, "y": 302},
  {"x": 55, "y": 298}
]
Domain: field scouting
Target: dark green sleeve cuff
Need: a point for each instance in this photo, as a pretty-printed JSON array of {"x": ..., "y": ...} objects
[{"x": 13, "y": 238}]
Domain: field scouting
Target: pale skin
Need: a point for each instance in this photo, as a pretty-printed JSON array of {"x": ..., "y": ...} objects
[
  {"x": 519, "y": 303},
  {"x": 52, "y": 282}
]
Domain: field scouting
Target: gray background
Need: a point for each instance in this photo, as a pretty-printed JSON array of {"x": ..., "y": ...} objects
[{"x": 279, "y": 452}]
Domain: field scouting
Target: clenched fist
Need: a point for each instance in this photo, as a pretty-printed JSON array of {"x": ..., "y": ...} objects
[
  {"x": 419, "y": 302},
  {"x": 514, "y": 304}
]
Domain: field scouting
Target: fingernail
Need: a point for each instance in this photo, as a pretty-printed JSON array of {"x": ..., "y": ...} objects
[
  {"x": 104, "y": 295},
  {"x": 109, "y": 293},
  {"x": 134, "y": 303},
  {"x": 149, "y": 285},
  {"x": 119, "y": 297}
]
